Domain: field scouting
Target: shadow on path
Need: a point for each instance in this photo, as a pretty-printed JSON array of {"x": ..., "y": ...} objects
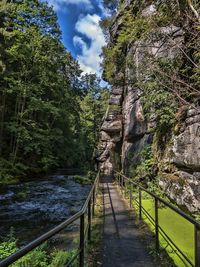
[{"x": 122, "y": 246}]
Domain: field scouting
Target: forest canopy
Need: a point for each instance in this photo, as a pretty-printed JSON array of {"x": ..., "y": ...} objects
[{"x": 50, "y": 113}]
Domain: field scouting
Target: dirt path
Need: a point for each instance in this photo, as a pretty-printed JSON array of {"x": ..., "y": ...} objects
[{"x": 121, "y": 239}]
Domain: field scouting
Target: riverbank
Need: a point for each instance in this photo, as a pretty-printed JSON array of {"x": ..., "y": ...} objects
[
  {"x": 32, "y": 208},
  {"x": 40, "y": 175}
]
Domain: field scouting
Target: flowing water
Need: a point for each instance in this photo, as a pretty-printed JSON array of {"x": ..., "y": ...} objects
[{"x": 33, "y": 208}]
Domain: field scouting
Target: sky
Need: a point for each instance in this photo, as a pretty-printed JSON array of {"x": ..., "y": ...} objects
[{"x": 81, "y": 33}]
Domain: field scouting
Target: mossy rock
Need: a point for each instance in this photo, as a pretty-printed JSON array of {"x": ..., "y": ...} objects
[{"x": 114, "y": 108}]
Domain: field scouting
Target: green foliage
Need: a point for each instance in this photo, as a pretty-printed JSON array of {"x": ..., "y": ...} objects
[
  {"x": 7, "y": 248},
  {"x": 39, "y": 257},
  {"x": 132, "y": 29},
  {"x": 112, "y": 56},
  {"x": 93, "y": 106},
  {"x": 158, "y": 99},
  {"x": 197, "y": 216},
  {"x": 82, "y": 180},
  {"x": 167, "y": 14},
  {"x": 144, "y": 166},
  {"x": 6, "y": 174},
  {"x": 49, "y": 114},
  {"x": 166, "y": 82},
  {"x": 161, "y": 103},
  {"x": 61, "y": 258},
  {"x": 85, "y": 179}
]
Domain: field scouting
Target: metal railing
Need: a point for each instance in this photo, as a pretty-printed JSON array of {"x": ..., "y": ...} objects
[
  {"x": 84, "y": 231},
  {"x": 128, "y": 185}
]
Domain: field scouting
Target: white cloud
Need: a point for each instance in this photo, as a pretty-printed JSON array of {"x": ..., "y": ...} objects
[
  {"x": 59, "y": 4},
  {"x": 89, "y": 59},
  {"x": 105, "y": 11}
]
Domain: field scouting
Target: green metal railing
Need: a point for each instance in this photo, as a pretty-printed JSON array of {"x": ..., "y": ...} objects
[
  {"x": 84, "y": 231},
  {"x": 128, "y": 186}
]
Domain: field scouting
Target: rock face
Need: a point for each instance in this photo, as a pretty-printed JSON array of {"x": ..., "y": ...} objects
[
  {"x": 184, "y": 188},
  {"x": 184, "y": 153},
  {"x": 111, "y": 133},
  {"x": 186, "y": 146},
  {"x": 125, "y": 131}
]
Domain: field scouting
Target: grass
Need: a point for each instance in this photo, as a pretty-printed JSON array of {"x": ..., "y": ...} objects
[{"x": 179, "y": 230}]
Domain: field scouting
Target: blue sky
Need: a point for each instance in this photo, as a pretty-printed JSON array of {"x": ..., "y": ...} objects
[{"x": 82, "y": 36}]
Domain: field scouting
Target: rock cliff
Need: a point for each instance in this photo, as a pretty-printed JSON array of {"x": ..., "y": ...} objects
[{"x": 127, "y": 129}]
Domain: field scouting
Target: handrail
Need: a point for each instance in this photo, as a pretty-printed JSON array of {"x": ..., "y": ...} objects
[
  {"x": 158, "y": 229},
  {"x": 40, "y": 240},
  {"x": 166, "y": 237},
  {"x": 180, "y": 212}
]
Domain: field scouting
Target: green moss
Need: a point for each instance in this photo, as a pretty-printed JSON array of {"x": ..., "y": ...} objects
[
  {"x": 180, "y": 230},
  {"x": 114, "y": 108},
  {"x": 176, "y": 227}
]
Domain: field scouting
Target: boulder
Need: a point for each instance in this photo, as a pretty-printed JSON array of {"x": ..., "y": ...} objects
[
  {"x": 112, "y": 126},
  {"x": 117, "y": 90},
  {"x": 115, "y": 99},
  {"x": 186, "y": 148},
  {"x": 183, "y": 188}
]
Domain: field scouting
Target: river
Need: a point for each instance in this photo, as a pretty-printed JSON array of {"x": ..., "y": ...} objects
[{"x": 30, "y": 209}]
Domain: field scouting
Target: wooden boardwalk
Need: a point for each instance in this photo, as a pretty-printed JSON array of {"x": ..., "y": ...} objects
[{"x": 122, "y": 246}]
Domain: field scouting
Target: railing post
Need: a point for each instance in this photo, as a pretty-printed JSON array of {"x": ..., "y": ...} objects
[
  {"x": 82, "y": 241},
  {"x": 131, "y": 194},
  {"x": 197, "y": 245},
  {"x": 125, "y": 185},
  {"x": 89, "y": 220},
  {"x": 156, "y": 225},
  {"x": 125, "y": 188},
  {"x": 140, "y": 204},
  {"x": 93, "y": 202}
]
